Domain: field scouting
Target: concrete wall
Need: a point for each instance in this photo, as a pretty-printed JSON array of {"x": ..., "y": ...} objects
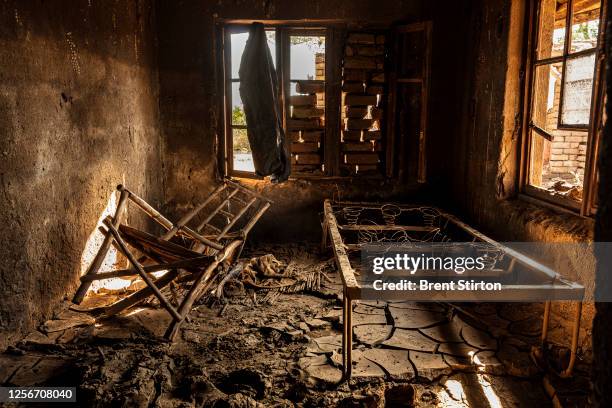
[
  {"x": 78, "y": 115},
  {"x": 189, "y": 100}
]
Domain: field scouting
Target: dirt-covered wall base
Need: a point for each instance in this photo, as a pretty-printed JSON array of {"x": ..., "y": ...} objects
[{"x": 78, "y": 115}]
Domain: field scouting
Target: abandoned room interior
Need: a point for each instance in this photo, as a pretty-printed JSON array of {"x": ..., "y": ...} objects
[{"x": 188, "y": 189}]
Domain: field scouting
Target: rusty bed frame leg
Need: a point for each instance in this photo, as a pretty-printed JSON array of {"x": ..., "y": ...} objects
[
  {"x": 351, "y": 290},
  {"x": 347, "y": 336},
  {"x": 539, "y": 352}
]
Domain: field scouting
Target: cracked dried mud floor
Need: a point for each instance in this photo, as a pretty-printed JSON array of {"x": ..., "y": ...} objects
[{"x": 285, "y": 350}]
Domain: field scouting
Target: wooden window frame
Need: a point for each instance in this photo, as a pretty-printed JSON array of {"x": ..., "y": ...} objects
[
  {"x": 424, "y": 82},
  {"x": 335, "y": 33},
  {"x": 227, "y": 82},
  {"x": 332, "y": 118},
  {"x": 585, "y": 207},
  {"x": 285, "y": 45}
]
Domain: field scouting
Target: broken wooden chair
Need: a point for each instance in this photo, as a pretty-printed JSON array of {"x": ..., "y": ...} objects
[{"x": 212, "y": 233}]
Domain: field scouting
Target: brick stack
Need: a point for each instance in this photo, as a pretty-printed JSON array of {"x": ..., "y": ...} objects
[
  {"x": 363, "y": 85},
  {"x": 567, "y": 155},
  {"x": 320, "y": 76},
  {"x": 306, "y": 123}
]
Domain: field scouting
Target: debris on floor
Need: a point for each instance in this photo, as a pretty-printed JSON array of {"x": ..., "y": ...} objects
[{"x": 251, "y": 349}]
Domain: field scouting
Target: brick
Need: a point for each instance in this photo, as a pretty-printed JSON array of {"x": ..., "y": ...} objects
[
  {"x": 378, "y": 77},
  {"x": 360, "y": 100},
  {"x": 304, "y": 147},
  {"x": 353, "y": 87},
  {"x": 361, "y": 158},
  {"x": 574, "y": 138},
  {"x": 367, "y": 168},
  {"x": 309, "y": 87},
  {"x": 349, "y": 51},
  {"x": 559, "y": 145},
  {"x": 569, "y": 163},
  {"x": 358, "y": 124},
  {"x": 303, "y": 100},
  {"x": 376, "y": 113},
  {"x": 369, "y": 51},
  {"x": 354, "y": 75},
  {"x": 375, "y": 90},
  {"x": 372, "y": 135},
  {"x": 555, "y": 157},
  {"x": 360, "y": 63},
  {"x": 312, "y": 136},
  {"x": 556, "y": 151},
  {"x": 303, "y": 123},
  {"x": 361, "y": 38},
  {"x": 355, "y": 111},
  {"x": 351, "y": 135},
  {"x": 303, "y": 112},
  {"x": 361, "y": 147},
  {"x": 306, "y": 159}
]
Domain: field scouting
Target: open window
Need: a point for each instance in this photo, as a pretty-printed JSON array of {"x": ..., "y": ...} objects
[
  {"x": 345, "y": 94},
  {"x": 238, "y": 150},
  {"x": 305, "y": 108},
  {"x": 564, "y": 103},
  {"x": 299, "y": 59}
]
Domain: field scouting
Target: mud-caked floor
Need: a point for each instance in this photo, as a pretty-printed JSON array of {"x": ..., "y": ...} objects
[{"x": 256, "y": 348}]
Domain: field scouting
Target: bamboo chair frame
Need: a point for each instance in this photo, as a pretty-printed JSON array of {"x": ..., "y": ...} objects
[{"x": 207, "y": 246}]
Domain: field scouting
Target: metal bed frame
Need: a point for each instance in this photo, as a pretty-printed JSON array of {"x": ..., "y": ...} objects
[
  {"x": 211, "y": 234},
  {"x": 353, "y": 289}
]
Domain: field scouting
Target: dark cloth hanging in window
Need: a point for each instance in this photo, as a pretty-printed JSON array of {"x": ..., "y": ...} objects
[{"x": 259, "y": 93}]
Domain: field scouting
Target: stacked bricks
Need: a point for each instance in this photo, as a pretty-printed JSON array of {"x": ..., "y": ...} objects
[
  {"x": 567, "y": 154},
  {"x": 320, "y": 76},
  {"x": 306, "y": 123},
  {"x": 363, "y": 86}
]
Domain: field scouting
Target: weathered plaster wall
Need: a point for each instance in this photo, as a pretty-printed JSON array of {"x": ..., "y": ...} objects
[
  {"x": 483, "y": 168},
  {"x": 78, "y": 115},
  {"x": 189, "y": 99}
]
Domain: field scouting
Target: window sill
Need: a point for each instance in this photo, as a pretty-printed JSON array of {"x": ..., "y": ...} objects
[
  {"x": 252, "y": 176},
  {"x": 541, "y": 217},
  {"x": 542, "y": 197}
]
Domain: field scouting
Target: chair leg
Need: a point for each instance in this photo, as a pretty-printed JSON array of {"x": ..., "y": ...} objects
[
  {"x": 187, "y": 302},
  {"x": 140, "y": 295},
  {"x": 99, "y": 258},
  {"x": 199, "y": 285},
  {"x": 143, "y": 275}
]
